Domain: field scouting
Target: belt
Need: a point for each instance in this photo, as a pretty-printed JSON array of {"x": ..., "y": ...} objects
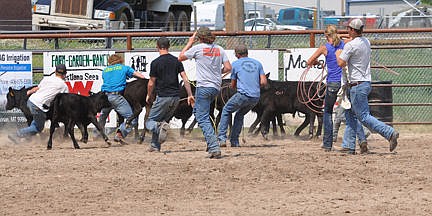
[
  {"x": 351, "y": 84},
  {"x": 116, "y": 93}
]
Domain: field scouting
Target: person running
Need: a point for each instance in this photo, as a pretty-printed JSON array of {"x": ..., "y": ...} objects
[
  {"x": 164, "y": 72},
  {"x": 247, "y": 76},
  {"x": 209, "y": 59},
  {"x": 114, "y": 83},
  {"x": 39, "y": 101},
  {"x": 356, "y": 55}
]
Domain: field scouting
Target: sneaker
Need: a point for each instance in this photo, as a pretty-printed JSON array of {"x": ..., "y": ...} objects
[
  {"x": 235, "y": 145},
  {"x": 393, "y": 140},
  {"x": 346, "y": 150},
  {"x": 363, "y": 148},
  {"x": 222, "y": 144},
  {"x": 153, "y": 149},
  {"x": 215, "y": 155},
  {"x": 163, "y": 132},
  {"x": 326, "y": 149},
  {"x": 118, "y": 137}
]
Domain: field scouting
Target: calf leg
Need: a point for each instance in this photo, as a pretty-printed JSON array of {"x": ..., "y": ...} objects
[
  {"x": 192, "y": 125},
  {"x": 147, "y": 113},
  {"x": 70, "y": 127},
  {"x": 320, "y": 125},
  {"x": 273, "y": 121},
  {"x": 84, "y": 132},
  {"x": 265, "y": 123},
  {"x": 312, "y": 126},
  {"x": 52, "y": 129},
  {"x": 94, "y": 121},
  {"x": 254, "y": 124},
  {"x": 281, "y": 124},
  {"x": 302, "y": 126},
  {"x": 183, "y": 128}
]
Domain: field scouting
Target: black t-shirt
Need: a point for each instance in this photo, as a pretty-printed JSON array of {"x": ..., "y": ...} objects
[{"x": 166, "y": 69}]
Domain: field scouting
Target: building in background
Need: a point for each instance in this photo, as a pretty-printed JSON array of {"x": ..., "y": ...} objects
[{"x": 377, "y": 7}]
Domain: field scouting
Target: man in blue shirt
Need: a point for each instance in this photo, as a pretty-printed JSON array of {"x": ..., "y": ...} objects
[
  {"x": 114, "y": 83},
  {"x": 247, "y": 76}
]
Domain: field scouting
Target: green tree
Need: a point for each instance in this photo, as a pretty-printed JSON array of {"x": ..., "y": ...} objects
[{"x": 427, "y": 2}]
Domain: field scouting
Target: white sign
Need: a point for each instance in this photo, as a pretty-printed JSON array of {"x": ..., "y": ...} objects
[
  {"x": 141, "y": 62},
  {"x": 84, "y": 69},
  {"x": 15, "y": 72},
  {"x": 84, "y": 72},
  {"x": 295, "y": 66}
]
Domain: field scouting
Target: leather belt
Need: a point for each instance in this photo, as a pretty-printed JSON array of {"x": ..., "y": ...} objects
[
  {"x": 351, "y": 84},
  {"x": 116, "y": 93}
]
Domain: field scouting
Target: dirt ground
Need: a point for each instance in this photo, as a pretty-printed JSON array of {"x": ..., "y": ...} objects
[{"x": 290, "y": 176}]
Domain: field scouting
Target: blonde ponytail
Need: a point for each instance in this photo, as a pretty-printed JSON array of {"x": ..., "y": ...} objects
[{"x": 331, "y": 31}]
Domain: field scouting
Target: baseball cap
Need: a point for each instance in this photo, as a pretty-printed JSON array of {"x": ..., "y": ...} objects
[
  {"x": 356, "y": 24},
  {"x": 61, "y": 68}
]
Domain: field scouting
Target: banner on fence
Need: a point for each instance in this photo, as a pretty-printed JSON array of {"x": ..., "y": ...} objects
[
  {"x": 141, "y": 62},
  {"x": 84, "y": 68},
  {"x": 15, "y": 72},
  {"x": 84, "y": 71},
  {"x": 295, "y": 63}
]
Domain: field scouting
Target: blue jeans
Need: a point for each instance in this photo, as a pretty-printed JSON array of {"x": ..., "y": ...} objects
[
  {"x": 162, "y": 110},
  {"x": 241, "y": 104},
  {"x": 38, "y": 123},
  {"x": 360, "y": 110},
  {"x": 339, "y": 118},
  {"x": 204, "y": 96},
  {"x": 121, "y": 106},
  {"x": 329, "y": 101}
]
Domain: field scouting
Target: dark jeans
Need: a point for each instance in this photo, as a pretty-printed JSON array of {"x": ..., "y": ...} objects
[{"x": 329, "y": 101}]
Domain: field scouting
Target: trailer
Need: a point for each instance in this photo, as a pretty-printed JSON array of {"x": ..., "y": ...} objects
[{"x": 166, "y": 15}]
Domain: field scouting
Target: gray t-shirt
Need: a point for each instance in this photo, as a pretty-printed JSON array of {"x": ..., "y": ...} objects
[
  {"x": 209, "y": 59},
  {"x": 357, "y": 54}
]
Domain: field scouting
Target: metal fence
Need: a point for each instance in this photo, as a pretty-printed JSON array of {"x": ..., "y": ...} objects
[{"x": 401, "y": 58}]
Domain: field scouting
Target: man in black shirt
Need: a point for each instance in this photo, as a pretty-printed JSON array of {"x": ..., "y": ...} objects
[{"x": 164, "y": 72}]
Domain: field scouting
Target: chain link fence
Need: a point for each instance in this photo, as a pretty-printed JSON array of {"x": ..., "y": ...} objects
[{"x": 398, "y": 57}]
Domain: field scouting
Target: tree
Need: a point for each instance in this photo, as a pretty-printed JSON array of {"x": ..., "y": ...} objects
[{"x": 426, "y": 2}]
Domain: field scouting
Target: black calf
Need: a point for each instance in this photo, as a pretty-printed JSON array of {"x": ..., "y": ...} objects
[{"x": 74, "y": 109}]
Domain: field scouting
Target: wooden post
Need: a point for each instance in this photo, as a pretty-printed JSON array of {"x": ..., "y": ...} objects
[{"x": 234, "y": 19}]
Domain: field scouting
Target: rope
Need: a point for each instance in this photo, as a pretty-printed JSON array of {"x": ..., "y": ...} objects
[{"x": 306, "y": 95}]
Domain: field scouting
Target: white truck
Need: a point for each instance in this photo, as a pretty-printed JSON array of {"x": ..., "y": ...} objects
[{"x": 167, "y": 15}]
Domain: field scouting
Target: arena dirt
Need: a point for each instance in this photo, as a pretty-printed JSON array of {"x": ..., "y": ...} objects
[{"x": 289, "y": 176}]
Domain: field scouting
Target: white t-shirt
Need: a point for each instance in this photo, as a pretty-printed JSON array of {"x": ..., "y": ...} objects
[
  {"x": 209, "y": 59},
  {"x": 49, "y": 87},
  {"x": 357, "y": 54}
]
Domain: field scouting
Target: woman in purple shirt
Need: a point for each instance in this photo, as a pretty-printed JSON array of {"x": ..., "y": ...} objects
[{"x": 333, "y": 80}]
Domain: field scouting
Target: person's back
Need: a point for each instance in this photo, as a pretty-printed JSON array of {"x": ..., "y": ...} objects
[
  {"x": 334, "y": 71},
  {"x": 164, "y": 72},
  {"x": 114, "y": 77},
  {"x": 247, "y": 72},
  {"x": 166, "y": 69},
  {"x": 359, "y": 61},
  {"x": 49, "y": 87},
  {"x": 209, "y": 59}
]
